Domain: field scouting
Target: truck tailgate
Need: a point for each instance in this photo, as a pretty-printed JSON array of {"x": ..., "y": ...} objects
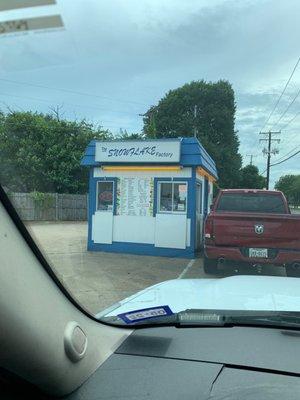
[{"x": 281, "y": 231}]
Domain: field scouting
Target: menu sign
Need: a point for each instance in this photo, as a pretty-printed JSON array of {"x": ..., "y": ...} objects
[
  {"x": 138, "y": 151},
  {"x": 135, "y": 196}
]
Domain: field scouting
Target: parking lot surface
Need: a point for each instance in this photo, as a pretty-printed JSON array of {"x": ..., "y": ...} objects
[{"x": 99, "y": 279}]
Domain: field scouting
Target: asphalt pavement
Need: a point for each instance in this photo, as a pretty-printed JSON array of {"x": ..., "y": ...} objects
[{"x": 99, "y": 279}]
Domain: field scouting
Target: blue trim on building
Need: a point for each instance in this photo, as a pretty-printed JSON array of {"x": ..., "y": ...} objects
[
  {"x": 176, "y": 139},
  {"x": 170, "y": 179},
  {"x": 192, "y": 153},
  {"x": 108, "y": 179},
  {"x": 141, "y": 249},
  {"x": 201, "y": 182},
  {"x": 191, "y": 206}
]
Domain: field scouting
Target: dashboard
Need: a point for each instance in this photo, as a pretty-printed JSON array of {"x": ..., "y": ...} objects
[{"x": 196, "y": 363}]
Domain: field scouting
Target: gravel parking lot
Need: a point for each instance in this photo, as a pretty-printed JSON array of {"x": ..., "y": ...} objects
[{"x": 99, "y": 279}]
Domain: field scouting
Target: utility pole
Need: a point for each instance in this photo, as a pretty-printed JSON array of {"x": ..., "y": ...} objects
[
  {"x": 269, "y": 151},
  {"x": 251, "y": 157},
  {"x": 195, "y": 122}
]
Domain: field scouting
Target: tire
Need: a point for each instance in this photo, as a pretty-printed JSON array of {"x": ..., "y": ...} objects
[
  {"x": 210, "y": 265},
  {"x": 292, "y": 271}
]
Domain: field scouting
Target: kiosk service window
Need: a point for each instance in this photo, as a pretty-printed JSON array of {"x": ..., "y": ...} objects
[
  {"x": 172, "y": 197},
  {"x": 105, "y": 195}
]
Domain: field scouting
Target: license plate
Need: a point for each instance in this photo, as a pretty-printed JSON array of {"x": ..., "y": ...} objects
[{"x": 258, "y": 253}]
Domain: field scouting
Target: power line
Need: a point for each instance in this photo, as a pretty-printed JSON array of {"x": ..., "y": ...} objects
[
  {"x": 102, "y": 123},
  {"x": 286, "y": 110},
  {"x": 70, "y": 104},
  {"x": 281, "y": 158},
  {"x": 71, "y": 91},
  {"x": 292, "y": 142},
  {"x": 269, "y": 151},
  {"x": 264, "y": 171},
  {"x": 280, "y": 162},
  {"x": 282, "y": 93},
  {"x": 290, "y": 121}
]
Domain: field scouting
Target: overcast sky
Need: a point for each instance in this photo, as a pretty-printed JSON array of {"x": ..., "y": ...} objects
[{"x": 123, "y": 56}]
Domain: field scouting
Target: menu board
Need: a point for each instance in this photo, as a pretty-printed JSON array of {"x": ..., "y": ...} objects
[{"x": 135, "y": 196}]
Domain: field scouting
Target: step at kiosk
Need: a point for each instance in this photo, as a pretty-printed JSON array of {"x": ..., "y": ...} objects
[{"x": 148, "y": 197}]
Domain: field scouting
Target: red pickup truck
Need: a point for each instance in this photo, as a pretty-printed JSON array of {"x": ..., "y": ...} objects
[{"x": 252, "y": 227}]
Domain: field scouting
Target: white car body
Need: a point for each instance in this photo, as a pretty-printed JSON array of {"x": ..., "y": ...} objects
[{"x": 267, "y": 293}]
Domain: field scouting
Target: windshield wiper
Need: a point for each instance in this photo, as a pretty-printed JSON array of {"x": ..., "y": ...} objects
[
  {"x": 228, "y": 318},
  {"x": 218, "y": 318}
]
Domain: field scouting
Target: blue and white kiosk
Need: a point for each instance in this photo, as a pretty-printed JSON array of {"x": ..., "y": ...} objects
[{"x": 148, "y": 197}]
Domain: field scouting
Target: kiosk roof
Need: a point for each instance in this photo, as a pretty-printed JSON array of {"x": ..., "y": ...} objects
[{"x": 192, "y": 153}]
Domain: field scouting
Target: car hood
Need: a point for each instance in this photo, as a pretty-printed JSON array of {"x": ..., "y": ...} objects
[{"x": 266, "y": 293}]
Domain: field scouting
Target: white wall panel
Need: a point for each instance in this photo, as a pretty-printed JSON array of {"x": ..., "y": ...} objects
[
  {"x": 210, "y": 196},
  {"x": 200, "y": 178},
  {"x": 102, "y": 227},
  {"x": 188, "y": 232},
  {"x": 170, "y": 231},
  {"x": 133, "y": 229}
]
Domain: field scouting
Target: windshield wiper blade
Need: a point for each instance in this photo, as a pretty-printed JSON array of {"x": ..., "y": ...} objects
[
  {"x": 217, "y": 318},
  {"x": 229, "y": 318},
  {"x": 200, "y": 318}
]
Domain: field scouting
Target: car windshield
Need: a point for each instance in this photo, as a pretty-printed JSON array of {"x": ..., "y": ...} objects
[{"x": 151, "y": 149}]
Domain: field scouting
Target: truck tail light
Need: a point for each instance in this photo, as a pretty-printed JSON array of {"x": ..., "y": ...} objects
[{"x": 208, "y": 228}]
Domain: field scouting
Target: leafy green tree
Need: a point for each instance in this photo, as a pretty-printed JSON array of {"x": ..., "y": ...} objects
[
  {"x": 174, "y": 116},
  {"x": 42, "y": 152},
  {"x": 250, "y": 178},
  {"x": 290, "y": 186},
  {"x": 124, "y": 135}
]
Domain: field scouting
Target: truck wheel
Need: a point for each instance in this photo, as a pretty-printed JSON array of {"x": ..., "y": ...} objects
[
  {"x": 210, "y": 265},
  {"x": 293, "y": 270}
]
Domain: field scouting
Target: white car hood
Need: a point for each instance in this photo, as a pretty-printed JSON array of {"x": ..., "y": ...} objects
[{"x": 233, "y": 293}]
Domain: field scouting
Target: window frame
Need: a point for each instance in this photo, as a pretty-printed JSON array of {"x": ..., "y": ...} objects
[
  {"x": 113, "y": 195},
  {"x": 201, "y": 194},
  {"x": 247, "y": 195},
  {"x": 172, "y": 182}
]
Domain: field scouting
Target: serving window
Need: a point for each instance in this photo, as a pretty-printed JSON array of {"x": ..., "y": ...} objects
[
  {"x": 105, "y": 196},
  {"x": 172, "y": 197}
]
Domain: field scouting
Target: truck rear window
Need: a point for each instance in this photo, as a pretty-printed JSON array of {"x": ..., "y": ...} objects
[{"x": 251, "y": 202}]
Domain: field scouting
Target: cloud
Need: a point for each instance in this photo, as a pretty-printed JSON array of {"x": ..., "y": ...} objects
[{"x": 132, "y": 53}]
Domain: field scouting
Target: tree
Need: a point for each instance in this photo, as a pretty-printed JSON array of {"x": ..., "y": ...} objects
[
  {"x": 124, "y": 135},
  {"x": 290, "y": 186},
  {"x": 173, "y": 116},
  {"x": 42, "y": 152},
  {"x": 250, "y": 178}
]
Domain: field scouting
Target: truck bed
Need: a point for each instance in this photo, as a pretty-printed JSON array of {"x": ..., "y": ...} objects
[
  {"x": 252, "y": 226},
  {"x": 280, "y": 231}
]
